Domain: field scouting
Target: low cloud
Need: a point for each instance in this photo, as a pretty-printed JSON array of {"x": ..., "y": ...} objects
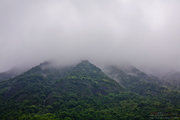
[{"x": 144, "y": 33}]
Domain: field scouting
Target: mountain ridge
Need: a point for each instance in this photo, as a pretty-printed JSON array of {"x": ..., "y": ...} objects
[
  {"x": 83, "y": 91},
  {"x": 83, "y": 74}
]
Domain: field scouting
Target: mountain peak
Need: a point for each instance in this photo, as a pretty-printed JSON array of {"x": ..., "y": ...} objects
[
  {"x": 82, "y": 79},
  {"x": 45, "y": 63},
  {"x": 85, "y": 62},
  {"x": 86, "y": 67}
]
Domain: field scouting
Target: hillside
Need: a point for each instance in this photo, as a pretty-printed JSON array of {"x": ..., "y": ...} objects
[
  {"x": 83, "y": 91},
  {"x": 135, "y": 80}
]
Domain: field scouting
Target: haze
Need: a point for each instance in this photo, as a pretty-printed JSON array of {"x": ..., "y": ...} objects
[{"x": 144, "y": 33}]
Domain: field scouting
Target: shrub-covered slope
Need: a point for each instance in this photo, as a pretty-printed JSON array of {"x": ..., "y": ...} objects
[{"x": 81, "y": 92}]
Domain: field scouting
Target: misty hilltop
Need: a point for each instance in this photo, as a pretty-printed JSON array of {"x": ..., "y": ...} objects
[
  {"x": 84, "y": 78},
  {"x": 84, "y": 91}
]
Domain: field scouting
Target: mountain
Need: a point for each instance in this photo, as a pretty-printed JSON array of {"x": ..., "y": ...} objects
[
  {"x": 45, "y": 84},
  {"x": 82, "y": 79},
  {"x": 43, "y": 80},
  {"x": 84, "y": 92}
]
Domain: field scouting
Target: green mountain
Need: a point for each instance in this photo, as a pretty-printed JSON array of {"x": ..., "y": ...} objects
[
  {"x": 83, "y": 92},
  {"x": 84, "y": 79}
]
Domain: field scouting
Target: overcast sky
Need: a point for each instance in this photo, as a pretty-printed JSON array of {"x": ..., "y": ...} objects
[{"x": 145, "y": 33}]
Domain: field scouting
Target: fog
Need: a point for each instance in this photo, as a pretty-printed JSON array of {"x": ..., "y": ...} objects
[{"x": 144, "y": 33}]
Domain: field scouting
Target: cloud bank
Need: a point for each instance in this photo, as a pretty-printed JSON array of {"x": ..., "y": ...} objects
[{"x": 145, "y": 33}]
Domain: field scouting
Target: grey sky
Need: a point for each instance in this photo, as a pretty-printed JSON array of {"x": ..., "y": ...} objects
[{"x": 145, "y": 33}]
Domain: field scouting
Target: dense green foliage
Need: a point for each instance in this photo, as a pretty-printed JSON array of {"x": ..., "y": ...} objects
[{"x": 82, "y": 92}]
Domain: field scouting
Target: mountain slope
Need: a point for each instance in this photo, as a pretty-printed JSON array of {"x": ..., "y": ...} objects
[
  {"x": 134, "y": 80},
  {"x": 42, "y": 80},
  {"x": 81, "y": 92},
  {"x": 87, "y": 79}
]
